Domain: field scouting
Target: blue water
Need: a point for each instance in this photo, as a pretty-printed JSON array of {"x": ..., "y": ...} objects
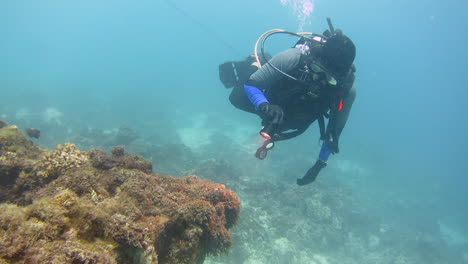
[{"x": 152, "y": 65}]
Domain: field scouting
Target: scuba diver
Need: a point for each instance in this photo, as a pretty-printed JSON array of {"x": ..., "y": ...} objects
[{"x": 311, "y": 81}]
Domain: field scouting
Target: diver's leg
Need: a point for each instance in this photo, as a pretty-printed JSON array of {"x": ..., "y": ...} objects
[{"x": 227, "y": 74}]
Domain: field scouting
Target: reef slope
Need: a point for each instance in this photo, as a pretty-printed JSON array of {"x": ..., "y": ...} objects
[{"x": 71, "y": 206}]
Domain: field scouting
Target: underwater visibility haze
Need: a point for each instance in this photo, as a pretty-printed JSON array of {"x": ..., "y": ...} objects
[{"x": 144, "y": 74}]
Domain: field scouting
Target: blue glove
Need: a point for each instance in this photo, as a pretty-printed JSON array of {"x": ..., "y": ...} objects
[{"x": 325, "y": 151}]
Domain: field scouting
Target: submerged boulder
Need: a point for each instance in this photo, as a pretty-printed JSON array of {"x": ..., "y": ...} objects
[{"x": 72, "y": 206}]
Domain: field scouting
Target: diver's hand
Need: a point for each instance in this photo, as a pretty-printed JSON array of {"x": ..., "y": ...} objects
[
  {"x": 312, "y": 173},
  {"x": 273, "y": 112},
  {"x": 328, "y": 147},
  {"x": 333, "y": 147}
]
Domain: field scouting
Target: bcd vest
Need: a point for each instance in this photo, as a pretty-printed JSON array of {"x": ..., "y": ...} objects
[{"x": 310, "y": 97}]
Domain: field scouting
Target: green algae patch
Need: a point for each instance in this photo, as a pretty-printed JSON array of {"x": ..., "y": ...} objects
[
  {"x": 13, "y": 143},
  {"x": 71, "y": 206}
]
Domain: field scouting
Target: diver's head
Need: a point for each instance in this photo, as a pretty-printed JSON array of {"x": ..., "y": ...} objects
[{"x": 337, "y": 54}]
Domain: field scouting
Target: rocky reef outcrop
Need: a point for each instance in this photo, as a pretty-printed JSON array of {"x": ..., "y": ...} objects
[{"x": 71, "y": 206}]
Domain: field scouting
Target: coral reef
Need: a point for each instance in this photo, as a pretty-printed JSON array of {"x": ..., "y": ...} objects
[
  {"x": 64, "y": 158},
  {"x": 3, "y": 124},
  {"x": 325, "y": 223},
  {"x": 17, "y": 156},
  {"x": 72, "y": 206}
]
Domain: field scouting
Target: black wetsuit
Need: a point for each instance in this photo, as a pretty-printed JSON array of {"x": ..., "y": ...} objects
[
  {"x": 234, "y": 74},
  {"x": 302, "y": 102}
]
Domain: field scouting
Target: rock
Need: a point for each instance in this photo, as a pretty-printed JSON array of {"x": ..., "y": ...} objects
[
  {"x": 72, "y": 206},
  {"x": 33, "y": 132},
  {"x": 3, "y": 124}
]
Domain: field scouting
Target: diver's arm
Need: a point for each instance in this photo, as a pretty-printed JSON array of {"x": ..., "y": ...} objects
[
  {"x": 255, "y": 95},
  {"x": 267, "y": 76}
]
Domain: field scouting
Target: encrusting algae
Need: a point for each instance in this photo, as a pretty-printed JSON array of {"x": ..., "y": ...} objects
[
  {"x": 60, "y": 160},
  {"x": 73, "y": 206}
]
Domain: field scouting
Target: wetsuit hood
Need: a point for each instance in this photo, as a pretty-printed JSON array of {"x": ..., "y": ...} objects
[{"x": 338, "y": 53}]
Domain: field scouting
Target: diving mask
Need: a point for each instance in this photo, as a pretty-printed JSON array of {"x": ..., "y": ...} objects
[{"x": 319, "y": 70}]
